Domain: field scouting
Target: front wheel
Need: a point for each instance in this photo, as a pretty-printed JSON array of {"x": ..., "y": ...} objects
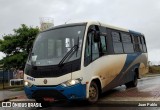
[{"x": 93, "y": 93}]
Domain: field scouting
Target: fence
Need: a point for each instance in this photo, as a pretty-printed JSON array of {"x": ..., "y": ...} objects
[{"x": 10, "y": 78}]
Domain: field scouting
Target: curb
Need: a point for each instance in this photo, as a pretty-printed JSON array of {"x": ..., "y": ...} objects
[
  {"x": 152, "y": 75},
  {"x": 5, "y": 100},
  {"x": 148, "y": 77}
]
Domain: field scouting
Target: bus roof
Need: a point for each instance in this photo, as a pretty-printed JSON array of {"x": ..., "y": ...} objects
[
  {"x": 117, "y": 28},
  {"x": 94, "y": 23},
  {"x": 136, "y": 33}
]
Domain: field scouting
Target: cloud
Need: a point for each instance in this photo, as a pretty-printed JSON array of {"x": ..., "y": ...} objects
[{"x": 139, "y": 15}]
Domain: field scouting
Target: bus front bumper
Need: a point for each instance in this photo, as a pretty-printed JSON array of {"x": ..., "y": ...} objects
[{"x": 75, "y": 92}]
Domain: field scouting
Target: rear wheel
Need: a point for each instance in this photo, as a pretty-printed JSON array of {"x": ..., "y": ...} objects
[
  {"x": 132, "y": 83},
  {"x": 93, "y": 93}
]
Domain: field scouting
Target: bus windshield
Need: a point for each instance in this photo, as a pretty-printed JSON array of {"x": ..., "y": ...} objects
[{"x": 51, "y": 46}]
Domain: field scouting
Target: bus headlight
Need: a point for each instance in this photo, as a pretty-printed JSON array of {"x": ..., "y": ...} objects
[
  {"x": 71, "y": 82},
  {"x": 27, "y": 84}
]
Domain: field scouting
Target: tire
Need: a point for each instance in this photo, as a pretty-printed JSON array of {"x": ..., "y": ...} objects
[
  {"x": 93, "y": 93},
  {"x": 132, "y": 83}
]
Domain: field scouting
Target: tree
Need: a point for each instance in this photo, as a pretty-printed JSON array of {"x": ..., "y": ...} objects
[{"x": 15, "y": 46}]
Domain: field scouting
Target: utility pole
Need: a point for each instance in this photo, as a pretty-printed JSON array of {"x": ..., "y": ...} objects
[
  {"x": 67, "y": 21},
  {"x": 8, "y": 76},
  {"x": 3, "y": 78}
]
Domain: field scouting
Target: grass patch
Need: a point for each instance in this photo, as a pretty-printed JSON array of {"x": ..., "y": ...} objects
[
  {"x": 154, "y": 69},
  {"x": 7, "y": 86},
  {"x": 17, "y": 89}
]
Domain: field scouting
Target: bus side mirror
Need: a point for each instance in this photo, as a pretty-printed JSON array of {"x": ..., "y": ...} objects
[{"x": 96, "y": 36}]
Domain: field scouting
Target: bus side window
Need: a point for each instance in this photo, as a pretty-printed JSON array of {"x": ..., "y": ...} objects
[
  {"x": 103, "y": 45},
  {"x": 127, "y": 43},
  {"x": 95, "y": 46},
  {"x": 95, "y": 50},
  {"x": 136, "y": 44},
  {"x": 143, "y": 44},
  {"x": 88, "y": 46},
  {"x": 140, "y": 44},
  {"x": 103, "y": 41},
  {"x": 87, "y": 58},
  {"x": 117, "y": 43}
]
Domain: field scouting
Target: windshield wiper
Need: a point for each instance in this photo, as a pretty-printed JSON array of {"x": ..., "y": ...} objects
[{"x": 69, "y": 54}]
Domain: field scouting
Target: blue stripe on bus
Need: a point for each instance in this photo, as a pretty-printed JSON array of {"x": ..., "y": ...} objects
[
  {"x": 119, "y": 78},
  {"x": 77, "y": 91},
  {"x": 130, "y": 58}
]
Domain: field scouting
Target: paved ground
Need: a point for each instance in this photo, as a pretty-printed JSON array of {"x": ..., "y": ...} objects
[
  {"x": 5, "y": 94},
  {"x": 147, "y": 91}
]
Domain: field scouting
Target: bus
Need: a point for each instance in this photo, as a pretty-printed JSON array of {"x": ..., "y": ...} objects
[{"x": 80, "y": 61}]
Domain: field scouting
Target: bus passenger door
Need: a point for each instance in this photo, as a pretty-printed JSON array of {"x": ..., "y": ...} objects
[
  {"x": 94, "y": 64},
  {"x": 91, "y": 54}
]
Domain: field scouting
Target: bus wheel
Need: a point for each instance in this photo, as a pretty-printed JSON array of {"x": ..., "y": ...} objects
[
  {"x": 93, "y": 93},
  {"x": 132, "y": 83}
]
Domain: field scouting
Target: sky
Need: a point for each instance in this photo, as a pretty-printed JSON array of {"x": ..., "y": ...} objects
[{"x": 139, "y": 15}]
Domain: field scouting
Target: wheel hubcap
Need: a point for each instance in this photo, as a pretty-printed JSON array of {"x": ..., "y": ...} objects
[{"x": 92, "y": 92}]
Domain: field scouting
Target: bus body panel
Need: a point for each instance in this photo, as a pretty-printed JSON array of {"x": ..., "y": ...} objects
[
  {"x": 50, "y": 81},
  {"x": 114, "y": 70},
  {"x": 54, "y": 80},
  {"x": 105, "y": 69},
  {"x": 57, "y": 92},
  {"x": 143, "y": 69},
  {"x": 54, "y": 84}
]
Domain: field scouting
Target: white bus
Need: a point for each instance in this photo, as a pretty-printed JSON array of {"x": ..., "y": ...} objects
[{"x": 79, "y": 61}]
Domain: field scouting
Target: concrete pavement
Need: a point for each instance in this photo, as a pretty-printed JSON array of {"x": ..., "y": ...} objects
[
  {"x": 6, "y": 95},
  {"x": 147, "y": 91}
]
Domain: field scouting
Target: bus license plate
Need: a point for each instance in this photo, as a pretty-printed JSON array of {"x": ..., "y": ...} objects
[{"x": 49, "y": 99}]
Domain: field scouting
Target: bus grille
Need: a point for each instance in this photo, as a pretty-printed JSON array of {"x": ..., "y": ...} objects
[{"x": 39, "y": 94}]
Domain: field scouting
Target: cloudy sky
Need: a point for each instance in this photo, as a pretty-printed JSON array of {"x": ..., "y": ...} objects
[{"x": 138, "y": 15}]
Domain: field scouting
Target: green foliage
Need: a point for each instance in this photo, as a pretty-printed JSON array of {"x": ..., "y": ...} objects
[{"x": 15, "y": 46}]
